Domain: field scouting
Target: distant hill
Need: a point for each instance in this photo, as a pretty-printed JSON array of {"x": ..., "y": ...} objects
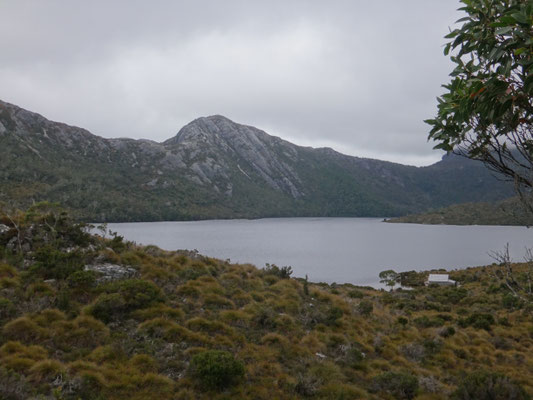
[
  {"x": 216, "y": 168},
  {"x": 506, "y": 212}
]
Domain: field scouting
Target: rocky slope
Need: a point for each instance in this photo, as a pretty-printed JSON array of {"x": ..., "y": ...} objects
[{"x": 216, "y": 168}]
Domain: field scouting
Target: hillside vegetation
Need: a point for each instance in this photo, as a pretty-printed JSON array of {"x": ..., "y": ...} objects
[
  {"x": 88, "y": 317},
  {"x": 216, "y": 168},
  {"x": 506, "y": 212}
]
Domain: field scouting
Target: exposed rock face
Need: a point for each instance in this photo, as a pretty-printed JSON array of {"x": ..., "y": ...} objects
[
  {"x": 216, "y": 168},
  {"x": 4, "y": 229},
  {"x": 230, "y": 145},
  {"x": 111, "y": 272}
]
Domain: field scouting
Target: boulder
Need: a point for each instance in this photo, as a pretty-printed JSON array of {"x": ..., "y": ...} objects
[{"x": 111, "y": 272}]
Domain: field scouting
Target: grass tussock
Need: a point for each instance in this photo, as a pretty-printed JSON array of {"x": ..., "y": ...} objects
[{"x": 184, "y": 326}]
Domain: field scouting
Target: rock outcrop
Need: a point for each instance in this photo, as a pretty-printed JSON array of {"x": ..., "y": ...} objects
[
  {"x": 216, "y": 168},
  {"x": 111, "y": 272}
]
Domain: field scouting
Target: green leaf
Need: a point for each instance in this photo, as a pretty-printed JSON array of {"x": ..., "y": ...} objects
[
  {"x": 520, "y": 18},
  {"x": 503, "y": 31}
]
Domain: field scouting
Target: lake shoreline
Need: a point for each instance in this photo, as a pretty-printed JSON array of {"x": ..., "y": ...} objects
[{"x": 341, "y": 250}]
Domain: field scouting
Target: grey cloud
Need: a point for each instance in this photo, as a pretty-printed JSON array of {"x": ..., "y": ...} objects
[{"x": 355, "y": 75}]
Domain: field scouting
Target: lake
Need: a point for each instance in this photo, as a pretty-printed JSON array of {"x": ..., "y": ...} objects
[{"x": 338, "y": 250}]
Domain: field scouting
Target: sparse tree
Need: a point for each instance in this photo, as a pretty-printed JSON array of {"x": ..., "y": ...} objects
[
  {"x": 520, "y": 283},
  {"x": 389, "y": 277}
]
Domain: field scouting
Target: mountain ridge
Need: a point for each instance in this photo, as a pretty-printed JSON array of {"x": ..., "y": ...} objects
[{"x": 216, "y": 168}]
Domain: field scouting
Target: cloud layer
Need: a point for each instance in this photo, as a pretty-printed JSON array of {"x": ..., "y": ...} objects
[{"x": 357, "y": 76}]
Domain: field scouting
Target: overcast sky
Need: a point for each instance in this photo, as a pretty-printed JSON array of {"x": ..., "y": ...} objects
[{"x": 358, "y": 76}]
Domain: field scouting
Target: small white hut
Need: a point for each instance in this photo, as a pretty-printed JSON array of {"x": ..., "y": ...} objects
[{"x": 440, "y": 279}]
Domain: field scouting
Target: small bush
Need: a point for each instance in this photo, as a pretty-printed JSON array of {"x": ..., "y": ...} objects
[
  {"x": 83, "y": 280},
  {"x": 478, "y": 321},
  {"x": 7, "y": 308},
  {"x": 131, "y": 295},
  {"x": 144, "y": 363},
  {"x": 426, "y": 322},
  {"x": 511, "y": 302},
  {"x": 52, "y": 263},
  {"x": 139, "y": 293},
  {"x": 432, "y": 346},
  {"x": 356, "y": 294},
  {"x": 14, "y": 386},
  {"x": 214, "y": 369},
  {"x": 333, "y": 315},
  {"x": 484, "y": 385},
  {"x": 399, "y": 385},
  {"x": 11, "y": 348},
  {"x": 107, "y": 307},
  {"x": 365, "y": 307},
  {"x": 402, "y": 321},
  {"x": 447, "y": 331},
  {"x": 280, "y": 272},
  {"x": 46, "y": 370},
  {"x": 23, "y": 329}
]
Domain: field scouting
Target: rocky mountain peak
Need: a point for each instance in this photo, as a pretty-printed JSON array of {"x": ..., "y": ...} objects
[
  {"x": 215, "y": 167},
  {"x": 215, "y": 146},
  {"x": 202, "y": 129}
]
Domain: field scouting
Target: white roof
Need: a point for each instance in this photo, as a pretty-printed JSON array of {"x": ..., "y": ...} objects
[{"x": 438, "y": 277}]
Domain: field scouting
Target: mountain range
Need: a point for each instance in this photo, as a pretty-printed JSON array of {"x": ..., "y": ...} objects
[{"x": 216, "y": 168}]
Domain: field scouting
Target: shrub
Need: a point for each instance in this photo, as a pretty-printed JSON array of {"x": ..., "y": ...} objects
[
  {"x": 333, "y": 315},
  {"x": 447, "y": 331},
  {"x": 426, "y": 322},
  {"x": 159, "y": 310},
  {"x": 354, "y": 357},
  {"x": 413, "y": 351},
  {"x": 16, "y": 348},
  {"x": 478, "y": 321},
  {"x": 356, "y": 294},
  {"x": 107, "y": 307},
  {"x": 402, "y": 321},
  {"x": 144, "y": 363},
  {"x": 23, "y": 329},
  {"x": 13, "y": 386},
  {"x": 307, "y": 385},
  {"x": 46, "y": 370},
  {"x": 83, "y": 280},
  {"x": 138, "y": 293},
  {"x": 117, "y": 243},
  {"x": 82, "y": 332},
  {"x": 214, "y": 369},
  {"x": 131, "y": 295},
  {"x": 365, "y": 307},
  {"x": 432, "y": 346},
  {"x": 212, "y": 300},
  {"x": 449, "y": 295},
  {"x": 275, "y": 340},
  {"x": 273, "y": 269},
  {"x": 6, "y": 283},
  {"x": 52, "y": 263},
  {"x": 400, "y": 385},
  {"x": 7, "y": 308},
  {"x": 89, "y": 386},
  {"x": 7, "y": 271},
  {"x": 484, "y": 385},
  {"x": 509, "y": 301}
]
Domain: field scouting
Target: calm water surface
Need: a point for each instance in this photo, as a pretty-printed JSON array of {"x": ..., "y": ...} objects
[{"x": 338, "y": 250}]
